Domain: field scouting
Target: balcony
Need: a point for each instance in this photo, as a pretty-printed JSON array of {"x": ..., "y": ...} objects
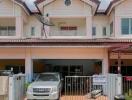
[{"x": 68, "y": 27}]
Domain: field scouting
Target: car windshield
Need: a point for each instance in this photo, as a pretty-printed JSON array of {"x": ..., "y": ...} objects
[{"x": 48, "y": 77}]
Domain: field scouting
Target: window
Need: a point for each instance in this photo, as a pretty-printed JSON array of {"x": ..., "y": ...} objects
[
  {"x": 126, "y": 26},
  {"x": 7, "y": 30},
  {"x": 94, "y": 31},
  {"x": 69, "y": 30},
  {"x": 32, "y": 31},
  {"x": 104, "y": 31},
  {"x": 66, "y": 28},
  {"x": 111, "y": 28},
  {"x": 11, "y": 30}
]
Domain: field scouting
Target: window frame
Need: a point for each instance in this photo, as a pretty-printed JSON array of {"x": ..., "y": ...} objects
[
  {"x": 7, "y": 30},
  {"x": 32, "y": 31},
  {"x": 104, "y": 30},
  {"x": 129, "y": 26},
  {"x": 93, "y": 31},
  {"x": 111, "y": 28}
]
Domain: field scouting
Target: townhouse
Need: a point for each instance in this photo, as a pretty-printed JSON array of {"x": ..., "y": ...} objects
[{"x": 81, "y": 41}]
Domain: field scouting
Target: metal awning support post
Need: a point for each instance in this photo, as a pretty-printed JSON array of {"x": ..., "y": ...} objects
[
  {"x": 119, "y": 62},
  {"x": 109, "y": 61}
]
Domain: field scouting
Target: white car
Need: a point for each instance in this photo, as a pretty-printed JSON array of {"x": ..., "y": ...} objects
[{"x": 46, "y": 86}]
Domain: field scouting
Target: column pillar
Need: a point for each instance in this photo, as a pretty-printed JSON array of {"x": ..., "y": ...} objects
[
  {"x": 119, "y": 62},
  {"x": 19, "y": 26},
  {"x": 28, "y": 65},
  {"x": 105, "y": 64},
  {"x": 89, "y": 27}
]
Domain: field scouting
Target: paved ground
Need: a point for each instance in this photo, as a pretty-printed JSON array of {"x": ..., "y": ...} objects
[{"x": 81, "y": 98}]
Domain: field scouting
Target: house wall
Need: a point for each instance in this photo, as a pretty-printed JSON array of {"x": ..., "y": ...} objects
[
  {"x": 54, "y": 53},
  {"x": 123, "y": 10},
  {"x": 110, "y": 20},
  {"x": 32, "y": 22},
  {"x": 123, "y": 56},
  {"x": 58, "y": 8},
  {"x": 100, "y": 21},
  {"x": 80, "y": 23},
  {"x": 78, "y": 9},
  {"x": 10, "y": 10},
  {"x": 7, "y": 21}
]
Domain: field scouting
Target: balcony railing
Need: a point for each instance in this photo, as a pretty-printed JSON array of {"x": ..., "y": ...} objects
[{"x": 65, "y": 33}]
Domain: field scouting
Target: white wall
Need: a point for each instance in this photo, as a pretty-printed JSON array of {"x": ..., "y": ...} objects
[
  {"x": 80, "y": 23},
  {"x": 58, "y": 8},
  {"x": 32, "y": 22},
  {"x": 100, "y": 21},
  {"x": 123, "y": 10},
  {"x": 110, "y": 20},
  {"x": 7, "y": 21},
  {"x": 8, "y": 8}
]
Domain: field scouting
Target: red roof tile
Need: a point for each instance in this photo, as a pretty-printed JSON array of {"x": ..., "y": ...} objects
[
  {"x": 95, "y": 1},
  {"x": 65, "y": 42},
  {"x": 111, "y": 4}
]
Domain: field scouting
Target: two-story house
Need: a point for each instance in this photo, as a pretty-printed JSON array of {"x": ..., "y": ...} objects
[{"x": 82, "y": 40}]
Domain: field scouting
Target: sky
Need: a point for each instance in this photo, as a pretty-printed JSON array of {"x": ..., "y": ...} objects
[{"x": 103, "y": 6}]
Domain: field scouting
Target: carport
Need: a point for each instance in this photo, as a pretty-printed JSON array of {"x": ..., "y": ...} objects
[
  {"x": 18, "y": 65},
  {"x": 40, "y": 60},
  {"x": 68, "y": 67}
]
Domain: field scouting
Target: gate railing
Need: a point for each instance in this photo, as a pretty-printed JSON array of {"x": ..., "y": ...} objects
[
  {"x": 97, "y": 87},
  {"x": 127, "y": 87},
  {"x": 12, "y": 87},
  {"x": 84, "y": 88}
]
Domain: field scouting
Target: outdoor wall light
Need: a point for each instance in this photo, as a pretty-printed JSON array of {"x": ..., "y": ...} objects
[{"x": 67, "y": 2}]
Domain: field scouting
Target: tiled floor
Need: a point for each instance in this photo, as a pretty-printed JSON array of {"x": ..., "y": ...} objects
[{"x": 82, "y": 98}]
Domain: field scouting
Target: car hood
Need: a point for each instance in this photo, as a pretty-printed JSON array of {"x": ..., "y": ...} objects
[{"x": 44, "y": 84}]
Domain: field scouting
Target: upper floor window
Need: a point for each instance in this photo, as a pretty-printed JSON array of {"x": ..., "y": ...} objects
[
  {"x": 93, "y": 31},
  {"x": 104, "y": 31},
  {"x": 68, "y": 28},
  {"x": 32, "y": 31},
  {"x": 126, "y": 26},
  {"x": 7, "y": 30},
  {"x": 111, "y": 28}
]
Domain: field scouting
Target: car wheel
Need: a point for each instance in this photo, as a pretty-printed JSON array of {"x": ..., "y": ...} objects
[{"x": 59, "y": 96}]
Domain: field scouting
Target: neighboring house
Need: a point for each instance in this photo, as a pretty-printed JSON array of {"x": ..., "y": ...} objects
[{"x": 82, "y": 39}]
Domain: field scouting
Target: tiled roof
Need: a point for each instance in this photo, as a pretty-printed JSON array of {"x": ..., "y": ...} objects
[
  {"x": 95, "y": 1},
  {"x": 24, "y": 5},
  {"x": 64, "y": 42},
  {"x": 27, "y": 8},
  {"x": 111, "y": 4}
]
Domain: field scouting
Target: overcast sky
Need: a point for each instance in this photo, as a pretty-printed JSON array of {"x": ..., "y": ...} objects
[{"x": 104, "y": 4}]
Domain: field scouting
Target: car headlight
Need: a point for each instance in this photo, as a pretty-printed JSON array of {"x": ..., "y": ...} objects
[
  {"x": 29, "y": 90},
  {"x": 54, "y": 89}
]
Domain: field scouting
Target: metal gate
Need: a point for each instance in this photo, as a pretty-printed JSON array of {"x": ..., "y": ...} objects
[
  {"x": 12, "y": 87},
  {"x": 97, "y": 87},
  {"x": 127, "y": 87}
]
